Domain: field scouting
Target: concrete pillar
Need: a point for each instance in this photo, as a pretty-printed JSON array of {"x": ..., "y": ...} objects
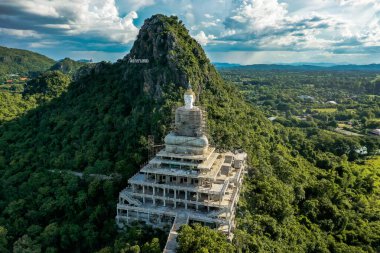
[
  {"x": 144, "y": 193},
  {"x": 208, "y": 206},
  {"x": 196, "y": 205},
  {"x": 185, "y": 199},
  {"x": 175, "y": 198},
  {"x": 164, "y": 196}
]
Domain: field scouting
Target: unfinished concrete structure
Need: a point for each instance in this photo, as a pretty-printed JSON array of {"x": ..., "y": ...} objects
[{"x": 187, "y": 181}]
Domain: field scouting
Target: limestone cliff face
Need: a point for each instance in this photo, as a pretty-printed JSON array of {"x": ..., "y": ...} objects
[{"x": 173, "y": 55}]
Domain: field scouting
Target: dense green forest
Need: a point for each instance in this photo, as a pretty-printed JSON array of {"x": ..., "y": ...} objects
[
  {"x": 23, "y": 62},
  {"x": 68, "y": 66},
  {"x": 16, "y": 100},
  {"x": 302, "y": 193},
  {"x": 23, "y": 94},
  {"x": 17, "y": 66}
]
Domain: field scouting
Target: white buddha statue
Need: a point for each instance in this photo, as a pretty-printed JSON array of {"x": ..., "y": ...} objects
[
  {"x": 188, "y": 136},
  {"x": 189, "y": 98},
  {"x": 188, "y": 118}
]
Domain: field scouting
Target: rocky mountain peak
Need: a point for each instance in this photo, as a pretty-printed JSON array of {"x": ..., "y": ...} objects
[{"x": 164, "y": 53}]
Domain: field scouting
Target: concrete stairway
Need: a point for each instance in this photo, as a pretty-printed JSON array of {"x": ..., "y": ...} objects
[
  {"x": 171, "y": 243},
  {"x": 125, "y": 194}
]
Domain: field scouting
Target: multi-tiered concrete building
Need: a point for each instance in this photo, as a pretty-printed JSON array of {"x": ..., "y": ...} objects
[{"x": 187, "y": 181}]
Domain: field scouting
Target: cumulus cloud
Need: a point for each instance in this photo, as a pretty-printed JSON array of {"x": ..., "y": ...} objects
[
  {"x": 357, "y": 2},
  {"x": 257, "y": 15},
  {"x": 269, "y": 25},
  {"x": 95, "y": 19},
  {"x": 204, "y": 39},
  {"x": 20, "y": 33},
  {"x": 134, "y": 5},
  {"x": 336, "y": 27}
]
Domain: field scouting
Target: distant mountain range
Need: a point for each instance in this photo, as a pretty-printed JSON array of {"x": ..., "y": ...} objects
[
  {"x": 23, "y": 62},
  {"x": 28, "y": 63},
  {"x": 301, "y": 67}
]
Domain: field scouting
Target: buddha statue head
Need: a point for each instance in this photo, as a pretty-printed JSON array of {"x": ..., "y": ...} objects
[{"x": 189, "y": 98}]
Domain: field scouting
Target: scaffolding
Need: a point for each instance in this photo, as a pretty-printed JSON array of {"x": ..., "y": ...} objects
[{"x": 186, "y": 181}]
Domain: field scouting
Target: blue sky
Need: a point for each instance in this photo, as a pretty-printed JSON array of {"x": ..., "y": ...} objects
[{"x": 235, "y": 31}]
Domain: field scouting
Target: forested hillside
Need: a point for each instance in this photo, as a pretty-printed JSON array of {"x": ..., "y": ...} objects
[
  {"x": 23, "y": 62},
  {"x": 68, "y": 66},
  {"x": 101, "y": 125},
  {"x": 43, "y": 88}
]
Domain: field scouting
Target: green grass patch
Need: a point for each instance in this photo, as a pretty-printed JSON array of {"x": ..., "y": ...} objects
[
  {"x": 342, "y": 125},
  {"x": 325, "y": 110}
]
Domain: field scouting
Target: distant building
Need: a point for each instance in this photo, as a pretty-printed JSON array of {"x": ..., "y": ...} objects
[
  {"x": 303, "y": 118},
  {"x": 331, "y": 102},
  {"x": 272, "y": 118},
  {"x": 23, "y": 78},
  {"x": 306, "y": 97},
  {"x": 362, "y": 151},
  {"x": 375, "y": 131},
  {"x": 9, "y": 81}
]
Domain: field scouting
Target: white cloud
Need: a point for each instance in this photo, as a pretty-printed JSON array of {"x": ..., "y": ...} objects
[
  {"x": 326, "y": 27},
  {"x": 257, "y": 15},
  {"x": 19, "y": 33},
  {"x": 88, "y": 18},
  {"x": 43, "y": 44},
  {"x": 101, "y": 18},
  {"x": 204, "y": 39},
  {"x": 268, "y": 25},
  {"x": 208, "y": 24},
  {"x": 38, "y": 7},
  {"x": 357, "y": 2},
  {"x": 133, "y": 5}
]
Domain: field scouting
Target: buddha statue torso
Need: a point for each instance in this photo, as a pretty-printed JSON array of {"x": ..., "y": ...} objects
[
  {"x": 189, "y": 121},
  {"x": 188, "y": 136}
]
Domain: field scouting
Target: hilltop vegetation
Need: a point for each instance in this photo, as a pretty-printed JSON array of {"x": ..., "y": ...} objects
[
  {"x": 24, "y": 93},
  {"x": 37, "y": 91},
  {"x": 23, "y": 62},
  {"x": 68, "y": 66},
  {"x": 298, "y": 196}
]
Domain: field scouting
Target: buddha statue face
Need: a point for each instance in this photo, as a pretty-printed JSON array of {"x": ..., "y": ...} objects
[{"x": 189, "y": 101}]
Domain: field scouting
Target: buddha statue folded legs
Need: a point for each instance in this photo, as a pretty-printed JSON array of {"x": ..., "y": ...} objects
[{"x": 185, "y": 144}]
